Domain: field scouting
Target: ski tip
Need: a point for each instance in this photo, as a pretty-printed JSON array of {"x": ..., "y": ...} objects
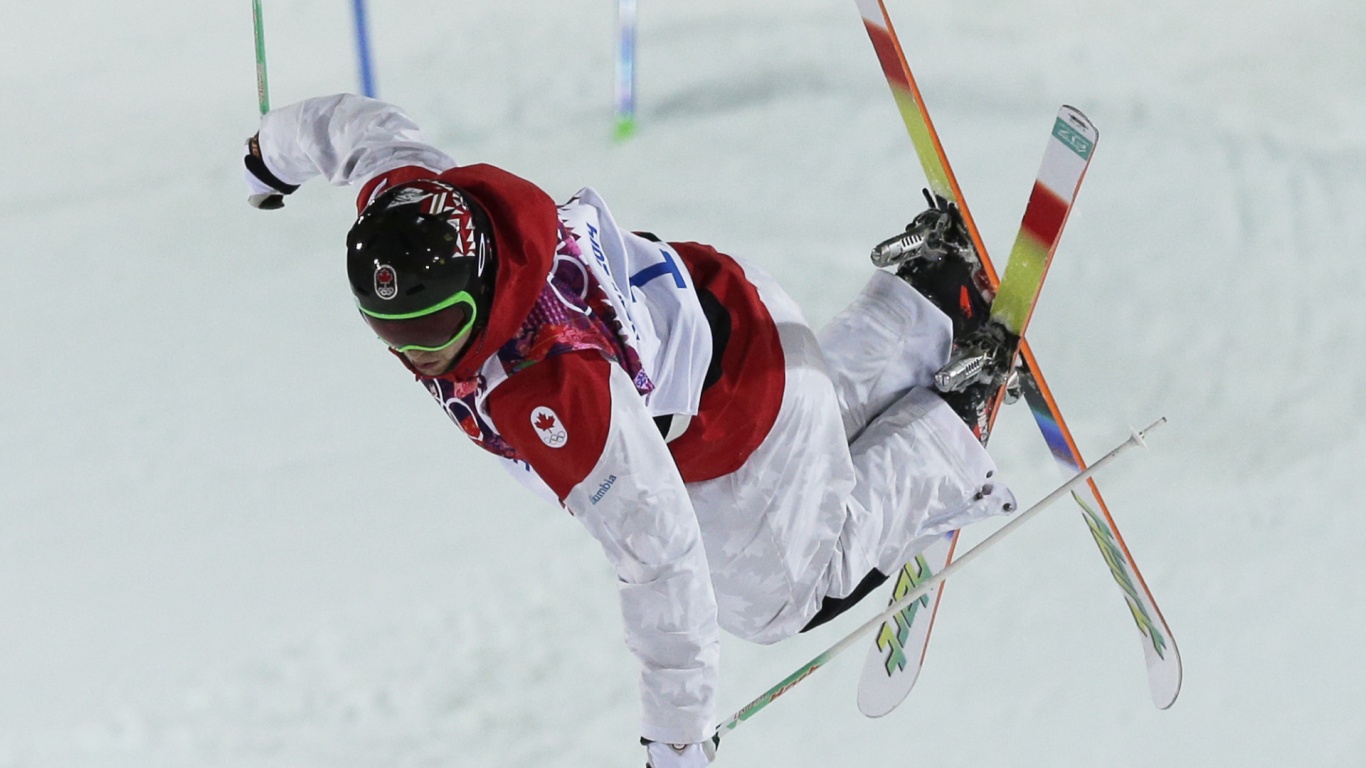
[
  {"x": 1079, "y": 121},
  {"x": 1164, "y": 698}
]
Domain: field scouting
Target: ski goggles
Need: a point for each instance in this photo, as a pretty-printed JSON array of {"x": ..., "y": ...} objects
[{"x": 430, "y": 330}]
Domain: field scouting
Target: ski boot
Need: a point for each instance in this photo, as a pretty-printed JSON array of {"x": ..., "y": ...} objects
[
  {"x": 982, "y": 364},
  {"x": 936, "y": 256}
]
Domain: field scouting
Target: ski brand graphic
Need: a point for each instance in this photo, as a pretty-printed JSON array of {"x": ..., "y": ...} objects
[
  {"x": 1114, "y": 557},
  {"x": 603, "y": 488},
  {"x": 1074, "y": 139},
  {"x": 549, "y": 428},
  {"x": 386, "y": 282},
  {"x": 891, "y": 639}
]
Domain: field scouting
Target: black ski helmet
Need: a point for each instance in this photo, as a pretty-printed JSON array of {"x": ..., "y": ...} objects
[{"x": 422, "y": 248}]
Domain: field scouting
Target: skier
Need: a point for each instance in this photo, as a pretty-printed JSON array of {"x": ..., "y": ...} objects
[{"x": 739, "y": 471}]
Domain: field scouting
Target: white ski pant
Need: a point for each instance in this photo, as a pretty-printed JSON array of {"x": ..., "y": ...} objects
[{"x": 864, "y": 467}]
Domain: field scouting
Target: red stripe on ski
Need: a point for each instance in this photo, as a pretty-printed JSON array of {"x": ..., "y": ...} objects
[
  {"x": 888, "y": 55},
  {"x": 1046, "y": 214}
]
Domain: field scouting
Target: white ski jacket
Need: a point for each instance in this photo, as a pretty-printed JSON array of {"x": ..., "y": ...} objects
[
  {"x": 737, "y": 470},
  {"x": 597, "y": 352}
]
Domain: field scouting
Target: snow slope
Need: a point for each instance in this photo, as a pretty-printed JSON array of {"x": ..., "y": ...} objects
[{"x": 232, "y": 533}]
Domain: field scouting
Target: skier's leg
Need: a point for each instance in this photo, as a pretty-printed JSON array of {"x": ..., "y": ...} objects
[
  {"x": 889, "y": 340},
  {"x": 809, "y": 517},
  {"x": 919, "y": 474},
  {"x": 772, "y": 527},
  {"x": 922, "y": 473}
]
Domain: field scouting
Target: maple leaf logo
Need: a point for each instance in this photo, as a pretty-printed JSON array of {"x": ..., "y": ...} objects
[{"x": 548, "y": 427}]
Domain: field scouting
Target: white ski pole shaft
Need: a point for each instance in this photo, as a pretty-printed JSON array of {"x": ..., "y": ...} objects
[{"x": 731, "y": 723}]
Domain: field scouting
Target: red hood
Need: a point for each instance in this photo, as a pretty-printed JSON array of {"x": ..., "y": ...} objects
[{"x": 526, "y": 231}]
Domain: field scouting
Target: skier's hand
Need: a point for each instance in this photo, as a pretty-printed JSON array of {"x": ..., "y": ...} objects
[
  {"x": 660, "y": 755},
  {"x": 267, "y": 191}
]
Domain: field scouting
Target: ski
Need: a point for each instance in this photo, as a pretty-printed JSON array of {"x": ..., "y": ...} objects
[
  {"x": 898, "y": 652},
  {"x": 891, "y": 667},
  {"x": 1160, "y": 654}
]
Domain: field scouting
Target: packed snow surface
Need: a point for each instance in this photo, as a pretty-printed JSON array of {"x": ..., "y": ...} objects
[{"x": 233, "y": 532}]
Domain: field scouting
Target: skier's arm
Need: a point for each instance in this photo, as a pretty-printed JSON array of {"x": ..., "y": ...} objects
[
  {"x": 580, "y": 423},
  {"x": 344, "y": 138}
]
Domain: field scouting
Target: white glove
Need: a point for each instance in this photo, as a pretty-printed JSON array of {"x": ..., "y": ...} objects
[
  {"x": 267, "y": 191},
  {"x": 660, "y": 755}
]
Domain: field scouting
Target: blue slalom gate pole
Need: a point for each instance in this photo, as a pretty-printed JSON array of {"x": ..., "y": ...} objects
[
  {"x": 367, "y": 72},
  {"x": 626, "y": 69}
]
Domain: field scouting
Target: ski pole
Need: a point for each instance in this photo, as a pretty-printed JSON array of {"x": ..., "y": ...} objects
[
  {"x": 806, "y": 670},
  {"x": 262, "y": 87}
]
